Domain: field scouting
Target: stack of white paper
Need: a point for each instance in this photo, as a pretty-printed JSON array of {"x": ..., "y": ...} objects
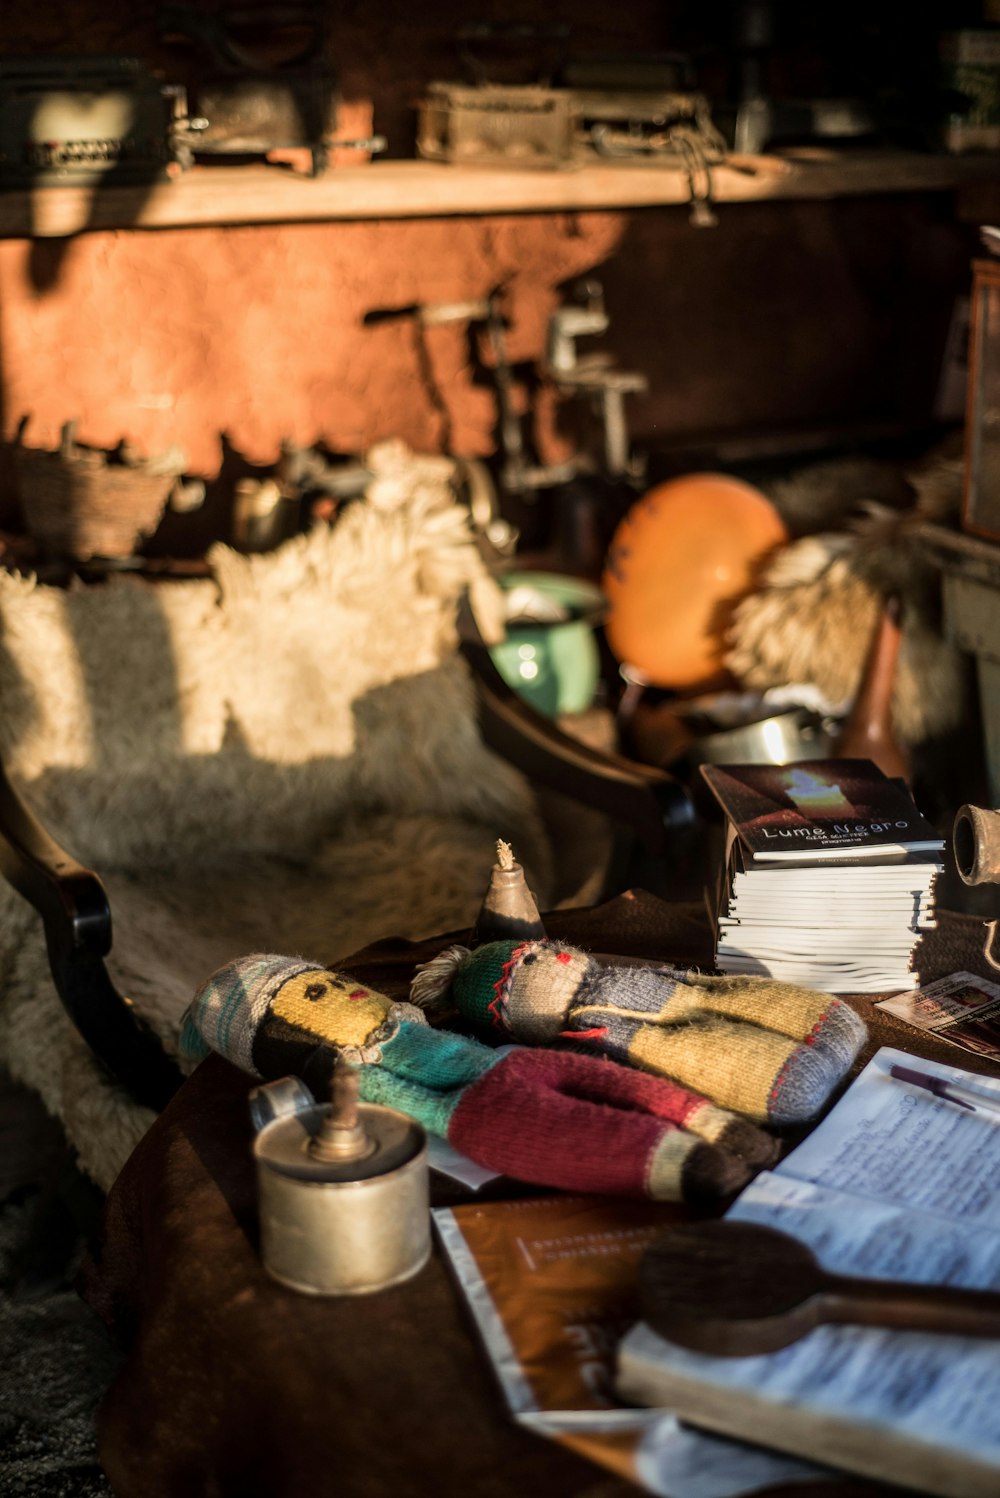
[{"x": 845, "y": 928}]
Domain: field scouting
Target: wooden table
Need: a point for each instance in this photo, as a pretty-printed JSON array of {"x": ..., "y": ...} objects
[{"x": 234, "y": 1387}]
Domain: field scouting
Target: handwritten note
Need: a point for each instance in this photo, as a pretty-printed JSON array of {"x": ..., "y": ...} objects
[
  {"x": 901, "y": 1145},
  {"x": 895, "y": 1184}
]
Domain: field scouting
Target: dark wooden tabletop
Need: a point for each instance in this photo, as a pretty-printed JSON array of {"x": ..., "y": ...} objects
[{"x": 233, "y": 1385}]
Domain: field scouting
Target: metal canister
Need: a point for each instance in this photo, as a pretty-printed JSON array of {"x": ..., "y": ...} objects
[{"x": 343, "y": 1189}]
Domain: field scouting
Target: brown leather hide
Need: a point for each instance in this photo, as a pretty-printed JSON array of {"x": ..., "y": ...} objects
[{"x": 235, "y": 1387}]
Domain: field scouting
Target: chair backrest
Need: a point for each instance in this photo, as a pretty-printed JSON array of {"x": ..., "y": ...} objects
[{"x": 252, "y": 710}]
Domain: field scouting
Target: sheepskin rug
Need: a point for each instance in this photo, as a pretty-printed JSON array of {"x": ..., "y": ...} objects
[{"x": 282, "y": 756}]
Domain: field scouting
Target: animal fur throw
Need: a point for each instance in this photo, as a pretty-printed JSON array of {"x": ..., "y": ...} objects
[
  {"x": 813, "y": 615},
  {"x": 282, "y": 756}
]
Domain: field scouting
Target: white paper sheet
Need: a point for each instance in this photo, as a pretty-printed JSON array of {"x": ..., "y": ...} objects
[
  {"x": 671, "y": 1460},
  {"x": 898, "y": 1184},
  {"x": 899, "y": 1144}
]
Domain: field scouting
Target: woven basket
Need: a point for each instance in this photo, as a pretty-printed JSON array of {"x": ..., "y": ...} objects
[{"x": 79, "y": 502}]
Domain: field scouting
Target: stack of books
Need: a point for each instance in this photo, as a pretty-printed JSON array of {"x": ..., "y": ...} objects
[{"x": 829, "y": 875}]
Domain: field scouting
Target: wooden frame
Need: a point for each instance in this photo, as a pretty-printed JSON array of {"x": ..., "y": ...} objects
[
  {"x": 981, "y": 510},
  {"x": 76, "y": 916}
]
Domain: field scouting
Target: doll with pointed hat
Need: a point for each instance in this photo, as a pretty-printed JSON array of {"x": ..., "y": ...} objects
[{"x": 772, "y": 1051}]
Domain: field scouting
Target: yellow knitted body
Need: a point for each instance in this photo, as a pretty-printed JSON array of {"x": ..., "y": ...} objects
[
  {"x": 742, "y": 1061},
  {"x": 778, "y": 1006}
]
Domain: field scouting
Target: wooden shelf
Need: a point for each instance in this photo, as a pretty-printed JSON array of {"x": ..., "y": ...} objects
[{"x": 212, "y": 195}]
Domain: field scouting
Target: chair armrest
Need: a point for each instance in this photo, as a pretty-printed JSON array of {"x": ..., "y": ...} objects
[
  {"x": 646, "y": 799},
  {"x": 76, "y": 918}
]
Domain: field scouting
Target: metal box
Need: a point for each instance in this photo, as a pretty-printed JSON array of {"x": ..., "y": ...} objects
[{"x": 519, "y": 125}]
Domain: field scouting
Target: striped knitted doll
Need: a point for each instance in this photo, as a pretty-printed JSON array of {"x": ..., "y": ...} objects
[
  {"x": 768, "y": 1050},
  {"x": 575, "y": 1122}
]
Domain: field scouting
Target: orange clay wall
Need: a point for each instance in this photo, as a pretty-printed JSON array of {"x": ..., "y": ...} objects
[
  {"x": 784, "y": 314},
  {"x": 257, "y": 332}
]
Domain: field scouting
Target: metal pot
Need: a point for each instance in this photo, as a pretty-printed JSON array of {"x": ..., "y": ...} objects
[{"x": 798, "y": 733}]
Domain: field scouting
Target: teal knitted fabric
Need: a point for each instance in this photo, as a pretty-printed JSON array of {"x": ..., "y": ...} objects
[{"x": 424, "y": 1072}]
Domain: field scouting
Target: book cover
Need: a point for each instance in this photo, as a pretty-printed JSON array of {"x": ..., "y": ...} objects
[
  {"x": 551, "y": 1284},
  {"x": 819, "y": 810}
]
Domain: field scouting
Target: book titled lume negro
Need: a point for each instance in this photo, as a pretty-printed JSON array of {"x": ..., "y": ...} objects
[{"x": 817, "y": 810}]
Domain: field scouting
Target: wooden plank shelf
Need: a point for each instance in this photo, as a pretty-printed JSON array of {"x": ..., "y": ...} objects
[{"x": 216, "y": 194}]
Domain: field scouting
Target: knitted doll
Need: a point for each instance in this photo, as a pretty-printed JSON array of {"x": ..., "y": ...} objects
[
  {"x": 769, "y": 1050},
  {"x": 575, "y": 1122}
]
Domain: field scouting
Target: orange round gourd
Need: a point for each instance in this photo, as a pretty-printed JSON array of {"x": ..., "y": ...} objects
[{"x": 678, "y": 563}]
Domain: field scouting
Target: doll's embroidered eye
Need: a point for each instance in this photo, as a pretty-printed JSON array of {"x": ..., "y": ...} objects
[{"x": 315, "y": 991}]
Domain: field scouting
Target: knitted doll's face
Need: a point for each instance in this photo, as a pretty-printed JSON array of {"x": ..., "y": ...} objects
[
  {"x": 331, "y": 1006},
  {"x": 544, "y": 984}
]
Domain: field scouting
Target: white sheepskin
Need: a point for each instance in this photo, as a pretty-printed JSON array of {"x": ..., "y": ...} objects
[{"x": 280, "y": 757}]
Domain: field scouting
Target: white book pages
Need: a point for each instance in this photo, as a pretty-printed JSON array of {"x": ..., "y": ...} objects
[
  {"x": 834, "y": 855},
  {"x": 898, "y": 1184},
  {"x": 831, "y": 934},
  {"x": 779, "y": 940},
  {"x": 827, "y": 979},
  {"x": 834, "y": 878}
]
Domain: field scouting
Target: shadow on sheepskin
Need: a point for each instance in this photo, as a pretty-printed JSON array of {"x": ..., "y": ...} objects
[{"x": 281, "y": 756}]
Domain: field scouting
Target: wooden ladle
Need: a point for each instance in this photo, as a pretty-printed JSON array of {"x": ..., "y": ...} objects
[{"x": 735, "y": 1289}]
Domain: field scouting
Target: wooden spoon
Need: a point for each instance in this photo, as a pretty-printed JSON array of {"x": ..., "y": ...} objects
[{"x": 734, "y": 1289}]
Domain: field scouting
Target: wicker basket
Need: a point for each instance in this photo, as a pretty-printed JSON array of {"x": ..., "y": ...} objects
[{"x": 80, "y": 502}]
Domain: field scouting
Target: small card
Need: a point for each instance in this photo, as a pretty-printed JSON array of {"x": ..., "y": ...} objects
[{"x": 961, "y": 1008}]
